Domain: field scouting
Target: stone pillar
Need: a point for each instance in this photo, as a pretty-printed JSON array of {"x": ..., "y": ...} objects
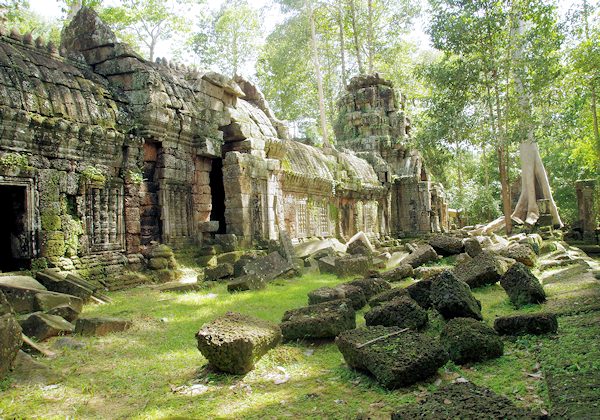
[{"x": 586, "y": 190}]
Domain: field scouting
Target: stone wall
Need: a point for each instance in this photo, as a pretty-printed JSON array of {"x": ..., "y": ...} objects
[{"x": 105, "y": 154}]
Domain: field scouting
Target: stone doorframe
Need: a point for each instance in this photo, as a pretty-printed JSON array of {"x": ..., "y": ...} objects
[{"x": 31, "y": 210}]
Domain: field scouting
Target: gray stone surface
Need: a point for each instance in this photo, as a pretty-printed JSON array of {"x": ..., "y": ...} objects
[
  {"x": 452, "y": 298},
  {"x": 467, "y": 340},
  {"x": 234, "y": 342},
  {"x": 421, "y": 255},
  {"x": 101, "y": 326},
  {"x": 396, "y": 359},
  {"x": 521, "y": 286},
  {"x": 484, "y": 269},
  {"x": 10, "y": 337},
  {"x": 42, "y": 326},
  {"x": 321, "y": 320},
  {"x": 221, "y": 271}
]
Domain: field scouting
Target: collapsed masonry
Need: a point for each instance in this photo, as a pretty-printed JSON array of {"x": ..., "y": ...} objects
[{"x": 103, "y": 153}]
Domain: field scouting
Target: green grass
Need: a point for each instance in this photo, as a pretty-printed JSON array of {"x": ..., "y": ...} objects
[{"x": 133, "y": 374}]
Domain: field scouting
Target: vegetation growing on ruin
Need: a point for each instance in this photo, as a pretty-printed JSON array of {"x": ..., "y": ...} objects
[{"x": 153, "y": 370}]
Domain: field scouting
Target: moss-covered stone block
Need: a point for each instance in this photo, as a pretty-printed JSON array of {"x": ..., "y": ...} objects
[
  {"x": 396, "y": 358},
  {"x": 234, "y": 342},
  {"x": 53, "y": 244},
  {"x": 50, "y": 221},
  {"x": 323, "y": 320},
  {"x": 468, "y": 340}
]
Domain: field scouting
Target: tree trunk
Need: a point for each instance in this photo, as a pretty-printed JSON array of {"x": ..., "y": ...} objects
[
  {"x": 342, "y": 43},
  {"x": 315, "y": 53},
  {"x": 361, "y": 69},
  {"x": 533, "y": 173},
  {"x": 534, "y": 185},
  {"x": 370, "y": 36}
]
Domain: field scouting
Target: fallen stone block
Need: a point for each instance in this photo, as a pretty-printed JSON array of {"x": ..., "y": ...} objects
[
  {"x": 482, "y": 270},
  {"x": 322, "y": 320},
  {"x": 101, "y": 326},
  {"x": 21, "y": 299},
  {"x": 421, "y": 293},
  {"x": 221, "y": 271},
  {"x": 536, "y": 324},
  {"x": 521, "y": 286},
  {"x": 10, "y": 337},
  {"x": 387, "y": 296},
  {"x": 359, "y": 244},
  {"x": 66, "y": 312},
  {"x": 468, "y": 340},
  {"x": 26, "y": 370},
  {"x": 401, "y": 312},
  {"x": 62, "y": 285},
  {"x": 463, "y": 400},
  {"x": 521, "y": 253},
  {"x": 327, "y": 264},
  {"x": 269, "y": 267},
  {"x": 446, "y": 245},
  {"x": 352, "y": 265},
  {"x": 45, "y": 301},
  {"x": 428, "y": 272},
  {"x": 247, "y": 282},
  {"x": 230, "y": 257},
  {"x": 473, "y": 247},
  {"x": 234, "y": 342},
  {"x": 24, "y": 282},
  {"x": 42, "y": 326},
  {"x": 421, "y": 255},
  {"x": 228, "y": 242},
  {"x": 371, "y": 286},
  {"x": 395, "y": 357},
  {"x": 397, "y": 274},
  {"x": 341, "y": 291},
  {"x": 452, "y": 298}
]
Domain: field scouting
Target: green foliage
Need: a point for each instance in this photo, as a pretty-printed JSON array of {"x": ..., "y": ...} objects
[
  {"x": 93, "y": 174},
  {"x": 145, "y": 23},
  {"x": 135, "y": 176},
  {"x": 14, "y": 161},
  {"x": 228, "y": 39}
]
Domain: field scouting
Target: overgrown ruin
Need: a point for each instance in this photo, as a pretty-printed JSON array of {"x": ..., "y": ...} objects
[{"x": 103, "y": 153}]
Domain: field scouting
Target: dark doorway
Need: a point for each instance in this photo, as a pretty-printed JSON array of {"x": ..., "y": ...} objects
[
  {"x": 14, "y": 240},
  {"x": 217, "y": 192},
  {"x": 151, "y": 225}
]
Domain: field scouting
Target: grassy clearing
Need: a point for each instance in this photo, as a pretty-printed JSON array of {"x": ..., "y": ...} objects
[{"x": 134, "y": 374}]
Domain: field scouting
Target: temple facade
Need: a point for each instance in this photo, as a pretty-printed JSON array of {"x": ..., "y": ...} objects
[{"x": 103, "y": 153}]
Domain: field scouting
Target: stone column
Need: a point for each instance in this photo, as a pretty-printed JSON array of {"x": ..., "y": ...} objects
[{"x": 586, "y": 190}]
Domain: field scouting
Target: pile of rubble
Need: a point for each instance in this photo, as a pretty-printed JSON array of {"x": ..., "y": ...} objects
[
  {"x": 33, "y": 310},
  {"x": 393, "y": 346}
]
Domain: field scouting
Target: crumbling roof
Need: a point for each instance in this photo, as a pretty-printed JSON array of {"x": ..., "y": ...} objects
[{"x": 36, "y": 80}]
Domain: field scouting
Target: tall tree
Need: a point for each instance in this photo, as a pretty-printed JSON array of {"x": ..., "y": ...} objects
[
  {"x": 145, "y": 23},
  {"x": 228, "y": 39},
  {"x": 318, "y": 75}
]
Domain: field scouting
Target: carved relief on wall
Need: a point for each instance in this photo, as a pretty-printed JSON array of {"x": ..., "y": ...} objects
[{"x": 104, "y": 217}]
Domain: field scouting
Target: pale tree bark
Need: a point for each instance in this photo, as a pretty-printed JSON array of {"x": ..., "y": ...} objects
[
  {"x": 342, "y": 42},
  {"x": 534, "y": 179},
  {"x": 361, "y": 69},
  {"x": 315, "y": 54},
  {"x": 370, "y": 35}
]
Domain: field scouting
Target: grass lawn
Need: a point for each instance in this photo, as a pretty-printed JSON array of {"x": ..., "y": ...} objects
[{"x": 155, "y": 370}]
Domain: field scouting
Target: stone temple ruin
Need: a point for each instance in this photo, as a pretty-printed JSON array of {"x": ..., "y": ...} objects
[{"x": 103, "y": 153}]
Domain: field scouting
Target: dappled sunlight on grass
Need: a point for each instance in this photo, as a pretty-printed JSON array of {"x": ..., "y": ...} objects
[{"x": 140, "y": 371}]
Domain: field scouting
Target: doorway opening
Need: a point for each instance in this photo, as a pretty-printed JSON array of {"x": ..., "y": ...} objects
[
  {"x": 14, "y": 238},
  {"x": 217, "y": 193},
  {"x": 151, "y": 223}
]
